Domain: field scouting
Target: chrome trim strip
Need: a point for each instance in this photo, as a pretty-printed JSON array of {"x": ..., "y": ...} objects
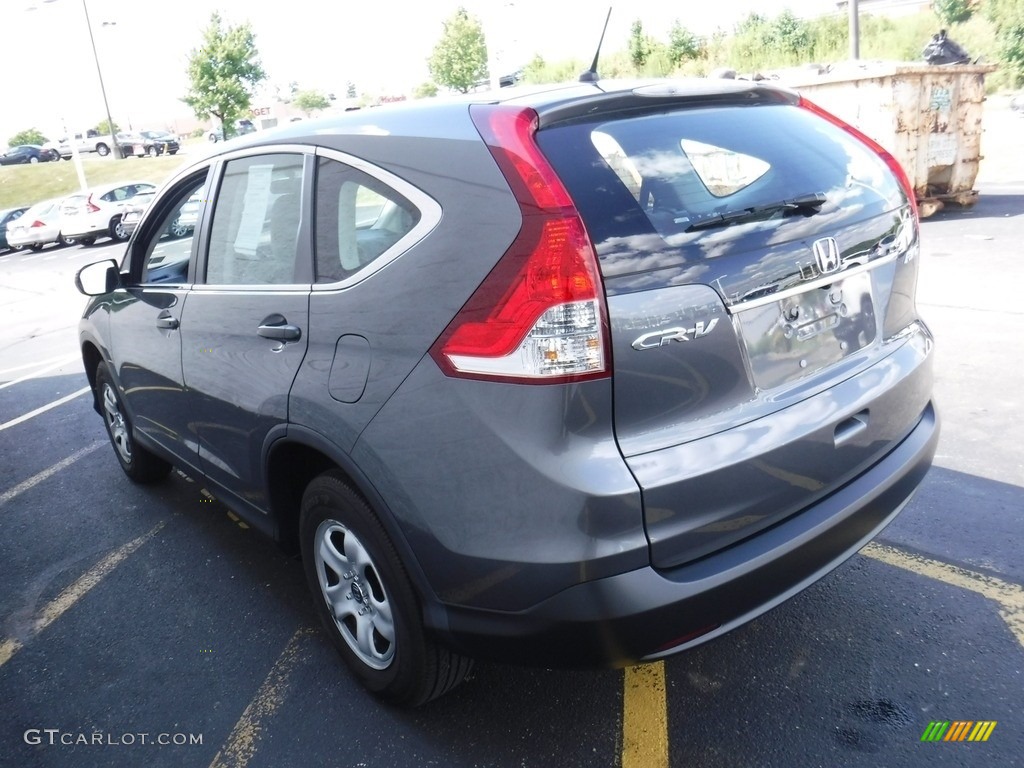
[{"x": 819, "y": 282}]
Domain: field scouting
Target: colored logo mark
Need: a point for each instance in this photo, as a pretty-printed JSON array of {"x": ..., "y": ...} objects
[{"x": 958, "y": 730}]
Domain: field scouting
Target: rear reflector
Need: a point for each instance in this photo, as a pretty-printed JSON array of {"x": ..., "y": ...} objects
[
  {"x": 892, "y": 162},
  {"x": 539, "y": 316}
]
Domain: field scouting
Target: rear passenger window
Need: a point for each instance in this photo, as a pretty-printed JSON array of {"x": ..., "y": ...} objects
[
  {"x": 358, "y": 219},
  {"x": 723, "y": 171},
  {"x": 254, "y": 235}
]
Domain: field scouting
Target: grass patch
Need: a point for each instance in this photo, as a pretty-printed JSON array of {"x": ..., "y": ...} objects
[{"x": 30, "y": 184}]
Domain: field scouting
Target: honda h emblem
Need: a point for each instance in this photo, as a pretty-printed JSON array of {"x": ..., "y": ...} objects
[{"x": 826, "y": 253}]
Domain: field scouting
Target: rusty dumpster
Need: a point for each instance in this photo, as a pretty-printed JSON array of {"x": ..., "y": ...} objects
[{"x": 928, "y": 117}]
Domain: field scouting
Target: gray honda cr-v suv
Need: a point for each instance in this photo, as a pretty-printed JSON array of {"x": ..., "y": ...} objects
[{"x": 585, "y": 375}]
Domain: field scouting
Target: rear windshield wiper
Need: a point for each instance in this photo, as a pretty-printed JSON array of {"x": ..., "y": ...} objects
[{"x": 802, "y": 203}]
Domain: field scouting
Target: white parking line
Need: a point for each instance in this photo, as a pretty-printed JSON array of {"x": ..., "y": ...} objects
[
  {"x": 66, "y": 599},
  {"x": 43, "y": 409},
  {"x": 41, "y": 371},
  {"x": 48, "y": 360},
  {"x": 35, "y": 480},
  {"x": 48, "y": 258}
]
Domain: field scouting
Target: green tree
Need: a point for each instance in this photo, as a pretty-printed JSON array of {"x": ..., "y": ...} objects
[
  {"x": 103, "y": 128},
  {"x": 953, "y": 11},
  {"x": 790, "y": 35},
  {"x": 1007, "y": 16},
  {"x": 459, "y": 59},
  {"x": 639, "y": 47},
  {"x": 310, "y": 101},
  {"x": 683, "y": 44},
  {"x": 425, "y": 90},
  {"x": 223, "y": 72},
  {"x": 30, "y": 136},
  {"x": 350, "y": 90}
]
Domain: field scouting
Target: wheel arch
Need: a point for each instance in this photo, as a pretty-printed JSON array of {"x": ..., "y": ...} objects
[
  {"x": 91, "y": 358},
  {"x": 293, "y": 457}
]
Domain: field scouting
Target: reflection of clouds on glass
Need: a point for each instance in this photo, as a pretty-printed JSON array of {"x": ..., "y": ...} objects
[{"x": 662, "y": 164}]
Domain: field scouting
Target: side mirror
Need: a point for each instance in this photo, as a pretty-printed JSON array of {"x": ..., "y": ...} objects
[{"x": 99, "y": 278}]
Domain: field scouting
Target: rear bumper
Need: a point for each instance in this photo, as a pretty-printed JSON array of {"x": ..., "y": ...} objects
[
  {"x": 31, "y": 237},
  {"x": 85, "y": 226},
  {"x": 646, "y": 614}
]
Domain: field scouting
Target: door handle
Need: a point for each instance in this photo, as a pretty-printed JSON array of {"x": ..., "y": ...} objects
[
  {"x": 278, "y": 328},
  {"x": 166, "y": 321}
]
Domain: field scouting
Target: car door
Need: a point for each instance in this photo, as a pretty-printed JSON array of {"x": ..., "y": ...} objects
[
  {"x": 145, "y": 317},
  {"x": 244, "y": 332}
]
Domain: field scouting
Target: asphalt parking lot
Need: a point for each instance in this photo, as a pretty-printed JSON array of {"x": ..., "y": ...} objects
[{"x": 147, "y": 626}]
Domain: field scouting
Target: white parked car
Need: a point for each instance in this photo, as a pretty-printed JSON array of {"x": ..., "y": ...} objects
[
  {"x": 38, "y": 226},
  {"x": 99, "y": 212}
]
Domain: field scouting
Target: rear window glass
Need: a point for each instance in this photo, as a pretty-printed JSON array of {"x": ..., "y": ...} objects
[{"x": 673, "y": 173}]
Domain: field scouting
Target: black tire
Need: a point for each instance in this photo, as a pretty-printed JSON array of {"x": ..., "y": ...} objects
[
  {"x": 61, "y": 240},
  {"x": 117, "y": 230},
  {"x": 153, "y": 151},
  {"x": 36, "y": 246},
  {"x": 102, "y": 150},
  {"x": 87, "y": 240},
  {"x": 140, "y": 465},
  {"x": 33, "y": 160},
  {"x": 407, "y": 668}
]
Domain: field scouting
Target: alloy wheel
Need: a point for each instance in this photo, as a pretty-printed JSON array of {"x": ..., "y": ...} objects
[
  {"x": 355, "y": 595},
  {"x": 116, "y": 424}
]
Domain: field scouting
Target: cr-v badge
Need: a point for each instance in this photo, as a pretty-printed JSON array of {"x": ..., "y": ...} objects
[{"x": 661, "y": 338}]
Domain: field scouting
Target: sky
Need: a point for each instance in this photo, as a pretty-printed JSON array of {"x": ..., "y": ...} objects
[{"x": 382, "y": 48}]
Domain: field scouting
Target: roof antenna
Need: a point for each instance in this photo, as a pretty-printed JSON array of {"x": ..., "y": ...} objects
[{"x": 591, "y": 76}]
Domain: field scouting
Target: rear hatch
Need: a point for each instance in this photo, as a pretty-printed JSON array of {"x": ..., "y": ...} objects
[{"x": 754, "y": 255}]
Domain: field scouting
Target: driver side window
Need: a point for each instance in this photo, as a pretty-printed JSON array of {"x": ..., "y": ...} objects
[{"x": 169, "y": 247}]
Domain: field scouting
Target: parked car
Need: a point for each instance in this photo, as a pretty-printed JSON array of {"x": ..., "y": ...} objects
[
  {"x": 38, "y": 226},
  {"x": 146, "y": 143},
  {"x": 134, "y": 211},
  {"x": 86, "y": 142},
  {"x": 8, "y": 215},
  {"x": 165, "y": 143},
  {"x": 580, "y": 376},
  {"x": 26, "y": 153},
  {"x": 242, "y": 128},
  {"x": 98, "y": 213},
  {"x": 181, "y": 226}
]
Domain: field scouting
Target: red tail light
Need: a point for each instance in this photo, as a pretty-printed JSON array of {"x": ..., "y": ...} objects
[
  {"x": 891, "y": 161},
  {"x": 540, "y": 315},
  {"x": 90, "y": 206},
  {"x": 37, "y": 223}
]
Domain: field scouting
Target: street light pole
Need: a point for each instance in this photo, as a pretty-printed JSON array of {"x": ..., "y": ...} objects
[{"x": 99, "y": 74}]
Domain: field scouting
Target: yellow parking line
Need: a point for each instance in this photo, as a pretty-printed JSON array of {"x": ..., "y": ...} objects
[
  {"x": 57, "y": 607},
  {"x": 241, "y": 745},
  {"x": 1009, "y": 597},
  {"x": 644, "y": 717}
]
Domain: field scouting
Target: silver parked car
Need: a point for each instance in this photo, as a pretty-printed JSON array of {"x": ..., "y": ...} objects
[
  {"x": 99, "y": 212},
  {"x": 579, "y": 376},
  {"x": 38, "y": 227}
]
